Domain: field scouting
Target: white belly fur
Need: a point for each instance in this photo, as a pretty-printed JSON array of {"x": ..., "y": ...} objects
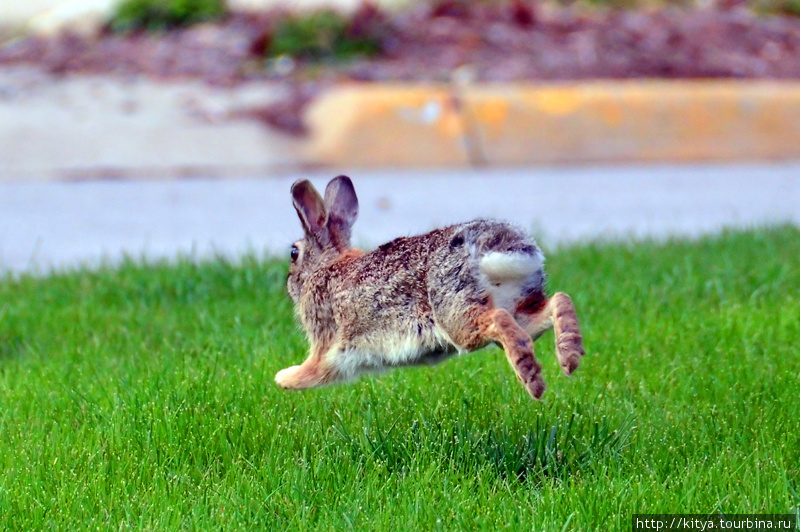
[{"x": 386, "y": 351}]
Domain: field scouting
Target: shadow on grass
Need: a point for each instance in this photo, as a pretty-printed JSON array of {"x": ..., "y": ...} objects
[
  {"x": 11, "y": 341},
  {"x": 543, "y": 452}
]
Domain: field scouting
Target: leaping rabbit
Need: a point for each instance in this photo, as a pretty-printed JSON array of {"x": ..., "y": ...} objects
[{"x": 417, "y": 300}]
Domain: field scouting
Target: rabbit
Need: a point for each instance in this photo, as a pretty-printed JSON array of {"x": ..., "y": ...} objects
[{"x": 417, "y": 300}]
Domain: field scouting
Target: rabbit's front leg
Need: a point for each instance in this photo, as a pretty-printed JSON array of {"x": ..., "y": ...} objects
[
  {"x": 296, "y": 377},
  {"x": 312, "y": 373}
]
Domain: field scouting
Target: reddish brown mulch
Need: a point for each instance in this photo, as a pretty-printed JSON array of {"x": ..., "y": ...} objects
[{"x": 512, "y": 42}]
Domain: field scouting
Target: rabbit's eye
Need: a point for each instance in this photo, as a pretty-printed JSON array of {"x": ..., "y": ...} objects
[{"x": 295, "y": 253}]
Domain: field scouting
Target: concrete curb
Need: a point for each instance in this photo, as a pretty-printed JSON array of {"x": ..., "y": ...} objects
[
  {"x": 625, "y": 121},
  {"x": 387, "y": 125},
  {"x": 88, "y": 127}
]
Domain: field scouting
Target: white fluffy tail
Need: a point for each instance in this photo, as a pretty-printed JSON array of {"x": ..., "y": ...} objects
[
  {"x": 505, "y": 267},
  {"x": 509, "y": 273}
]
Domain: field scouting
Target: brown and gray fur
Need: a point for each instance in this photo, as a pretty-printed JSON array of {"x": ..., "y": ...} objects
[{"x": 417, "y": 300}]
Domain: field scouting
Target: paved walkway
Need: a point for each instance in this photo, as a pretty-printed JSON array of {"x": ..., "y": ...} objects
[
  {"x": 79, "y": 127},
  {"x": 60, "y": 224}
]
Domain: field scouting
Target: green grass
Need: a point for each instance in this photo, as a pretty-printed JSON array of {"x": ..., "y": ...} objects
[{"x": 141, "y": 396}]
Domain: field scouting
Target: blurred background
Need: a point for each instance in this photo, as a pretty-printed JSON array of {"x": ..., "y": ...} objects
[{"x": 153, "y": 128}]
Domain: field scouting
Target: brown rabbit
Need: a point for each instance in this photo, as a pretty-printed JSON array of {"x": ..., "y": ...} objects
[{"x": 417, "y": 300}]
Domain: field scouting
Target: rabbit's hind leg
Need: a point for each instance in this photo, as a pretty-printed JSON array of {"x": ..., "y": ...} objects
[
  {"x": 499, "y": 326},
  {"x": 557, "y": 313}
]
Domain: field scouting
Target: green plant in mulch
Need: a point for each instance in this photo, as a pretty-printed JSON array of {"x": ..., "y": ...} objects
[
  {"x": 158, "y": 15},
  {"x": 327, "y": 34},
  {"x": 779, "y": 7}
]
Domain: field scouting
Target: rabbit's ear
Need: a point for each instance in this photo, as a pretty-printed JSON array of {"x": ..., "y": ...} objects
[
  {"x": 342, "y": 204},
  {"x": 311, "y": 210}
]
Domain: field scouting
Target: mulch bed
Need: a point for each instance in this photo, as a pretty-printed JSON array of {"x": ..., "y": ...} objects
[{"x": 492, "y": 42}]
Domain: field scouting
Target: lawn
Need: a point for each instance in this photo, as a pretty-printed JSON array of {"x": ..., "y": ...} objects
[{"x": 141, "y": 396}]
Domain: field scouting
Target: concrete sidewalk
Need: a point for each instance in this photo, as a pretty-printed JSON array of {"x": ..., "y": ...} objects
[
  {"x": 98, "y": 126},
  {"x": 44, "y": 225}
]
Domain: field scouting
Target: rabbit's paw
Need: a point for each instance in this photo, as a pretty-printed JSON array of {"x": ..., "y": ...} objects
[
  {"x": 569, "y": 349},
  {"x": 289, "y": 378}
]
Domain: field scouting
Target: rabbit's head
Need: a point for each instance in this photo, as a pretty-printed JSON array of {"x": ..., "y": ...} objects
[{"x": 326, "y": 224}]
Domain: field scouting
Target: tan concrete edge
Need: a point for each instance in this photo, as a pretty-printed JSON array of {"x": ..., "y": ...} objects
[
  {"x": 395, "y": 125},
  {"x": 386, "y": 125}
]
